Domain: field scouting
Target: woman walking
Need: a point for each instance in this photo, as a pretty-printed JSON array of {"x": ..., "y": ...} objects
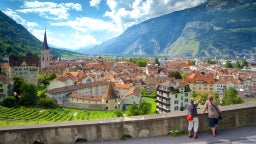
[
  {"x": 213, "y": 113},
  {"x": 194, "y": 123}
]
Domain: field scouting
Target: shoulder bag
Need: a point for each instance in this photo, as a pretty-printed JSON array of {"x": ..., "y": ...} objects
[{"x": 220, "y": 118}]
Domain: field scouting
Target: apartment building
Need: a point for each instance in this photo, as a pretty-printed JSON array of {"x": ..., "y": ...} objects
[{"x": 172, "y": 96}]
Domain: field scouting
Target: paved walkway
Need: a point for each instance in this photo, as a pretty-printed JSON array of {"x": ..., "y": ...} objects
[{"x": 244, "y": 135}]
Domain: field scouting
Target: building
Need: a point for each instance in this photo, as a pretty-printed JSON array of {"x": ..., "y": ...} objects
[
  {"x": 172, "y": 96},
  {"x": 201, "y": 82},
  {"x": 45, "y": 54},
  {"x": 25, "y": 67},
  {"x": 6, "y": 86},
  {"x": 133, "y": 96},
  {"x": 110, "y": 99}
]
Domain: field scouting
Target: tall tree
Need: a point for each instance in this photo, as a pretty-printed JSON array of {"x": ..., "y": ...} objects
[
  {"x": 28, "y": 95},
  {"x": 228, "y": 64},
  {"x": 237, "y": 65},
  {"x": 231, "y": 97},
  {"x": 244, "y": 63},
  {"x": 157, "y": 62},
  {"x": 18, "y": 82}
]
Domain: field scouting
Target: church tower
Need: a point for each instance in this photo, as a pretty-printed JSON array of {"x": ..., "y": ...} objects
[{"x": 45, "y": 54}]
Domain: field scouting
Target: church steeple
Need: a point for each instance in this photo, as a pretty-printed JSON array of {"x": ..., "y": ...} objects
[
  {"x": 45, "y": 54},
  {"x": 45, "y": 45}
]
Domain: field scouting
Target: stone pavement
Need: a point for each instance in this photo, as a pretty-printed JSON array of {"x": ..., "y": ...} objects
[{"x": 243, "y": 135}]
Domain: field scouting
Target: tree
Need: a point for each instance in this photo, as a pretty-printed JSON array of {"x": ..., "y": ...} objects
[
  {"x": 143, "y": 109},
  {"x": 237, "y": 65},
  {"x": 28, "y": 95},
  {"x": 244, "y": 63},
  {"x": 143, "y": 92},
  {"x": 157, "y": 62},
  {"x": 175, "y": 74},
  {"x": 18, "y": 83},
  {"x": 231, "y": 97},
  {"x": 228, "y": 64},
  {"x": 45, "y": 79}
]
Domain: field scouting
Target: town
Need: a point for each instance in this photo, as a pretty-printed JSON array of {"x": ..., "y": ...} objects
[{"x": 110, "y": 83}]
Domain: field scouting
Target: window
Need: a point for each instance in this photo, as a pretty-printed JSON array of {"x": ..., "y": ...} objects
[
  {"x": 176, "y": 108},
  {"x": 176, "y": 102},
  {"x": 106, "y": 101},
  {"x": 186, "y": 100},
  {"x": 1, "y": 90},
  {"x": 186, "y": 94},
  {"x": 106, "y": 108},
  {"x": 176, "y": 96},
  {"x": 1, "y": 85}
]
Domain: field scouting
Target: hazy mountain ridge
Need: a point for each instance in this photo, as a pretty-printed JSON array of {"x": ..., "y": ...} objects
[
  {"x": 217, "y": 27},
  {"x": 16, "y": 40}
]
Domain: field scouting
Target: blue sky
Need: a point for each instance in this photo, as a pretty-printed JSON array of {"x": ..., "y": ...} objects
[{"x": 75, "y": 24}]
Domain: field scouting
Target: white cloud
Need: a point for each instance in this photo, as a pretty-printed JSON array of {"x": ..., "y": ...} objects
[
  {"x": 130, "y": 12},
  {"x": 86, "y": 24},
  {"x": 95, "y": 3},
  {"x": 20, "y": 20},
  {"x": 50, "y": 10},
  {"x": 78, "y": 40}
]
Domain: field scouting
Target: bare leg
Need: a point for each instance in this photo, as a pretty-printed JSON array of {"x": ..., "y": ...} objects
[
  {"x": 213, "y": 131},
  {"x": 189, "y": 133},
  {"x": 195, "y": 134}
]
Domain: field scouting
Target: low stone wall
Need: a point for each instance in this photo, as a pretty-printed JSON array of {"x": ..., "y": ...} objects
[{"x": 112, "y": 129}]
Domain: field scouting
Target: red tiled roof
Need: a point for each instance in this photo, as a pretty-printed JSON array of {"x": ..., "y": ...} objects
[
  {"x": 197, "y": 76},
  {"x": 133, "y": 90},
  {"x": 121, "y": 86}
]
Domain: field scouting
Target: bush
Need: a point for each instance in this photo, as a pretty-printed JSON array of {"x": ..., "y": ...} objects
[
  {"x": 47, "y": 103},
  {"x": 10, "y": 101},
  {"x": 118, "y": 113}
]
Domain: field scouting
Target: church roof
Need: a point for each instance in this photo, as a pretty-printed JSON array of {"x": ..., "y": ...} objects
[
  {"x": 45, "y": 45},
  {"x": 110, "y": 93}
]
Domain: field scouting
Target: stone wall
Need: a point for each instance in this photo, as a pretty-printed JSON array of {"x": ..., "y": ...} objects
[{"x": 112, "y": 129}]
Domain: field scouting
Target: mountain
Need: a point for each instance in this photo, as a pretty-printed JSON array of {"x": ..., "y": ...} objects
[
  {"x": 224, "y": 28},
  {"x": 16, "y": 40}
]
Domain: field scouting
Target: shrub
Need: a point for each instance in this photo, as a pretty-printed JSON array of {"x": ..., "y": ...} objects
[
  {"x": 47, "y": 103},
  {"x": 10, "y": 101},
  {"x": 118, "y": 113}
]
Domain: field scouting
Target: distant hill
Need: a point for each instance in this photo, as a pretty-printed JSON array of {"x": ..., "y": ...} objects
[
  {"x": 16, "y": 40},
  {"x": 225, "y": 28}
]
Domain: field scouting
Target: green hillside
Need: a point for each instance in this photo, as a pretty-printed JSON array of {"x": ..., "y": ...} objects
[{"x": 16, "y": 40}]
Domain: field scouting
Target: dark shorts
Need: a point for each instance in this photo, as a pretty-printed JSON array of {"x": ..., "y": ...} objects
[{"x": 213, "y": 122}]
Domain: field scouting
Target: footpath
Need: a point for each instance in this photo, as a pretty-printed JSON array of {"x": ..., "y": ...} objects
[{"x": 243, "y": 135}]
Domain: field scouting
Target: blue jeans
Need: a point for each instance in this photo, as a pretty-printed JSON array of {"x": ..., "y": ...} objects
[{"x": 213, "y": 122}]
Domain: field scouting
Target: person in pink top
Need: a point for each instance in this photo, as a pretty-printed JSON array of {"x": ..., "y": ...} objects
[{"x": 213, "y": 113}]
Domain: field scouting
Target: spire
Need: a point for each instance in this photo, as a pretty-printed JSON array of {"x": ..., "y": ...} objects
[
  {"x": 45, "y": 45},
  {"x": 110, "y": 93}
]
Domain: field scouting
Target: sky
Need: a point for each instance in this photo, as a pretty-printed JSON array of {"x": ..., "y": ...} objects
[{"x": 75, "y": 24}]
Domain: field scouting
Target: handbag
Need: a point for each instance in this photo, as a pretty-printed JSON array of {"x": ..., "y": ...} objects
[
  {"x": 189, "y": 117},
  {"x": 220, "y": 118}
]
